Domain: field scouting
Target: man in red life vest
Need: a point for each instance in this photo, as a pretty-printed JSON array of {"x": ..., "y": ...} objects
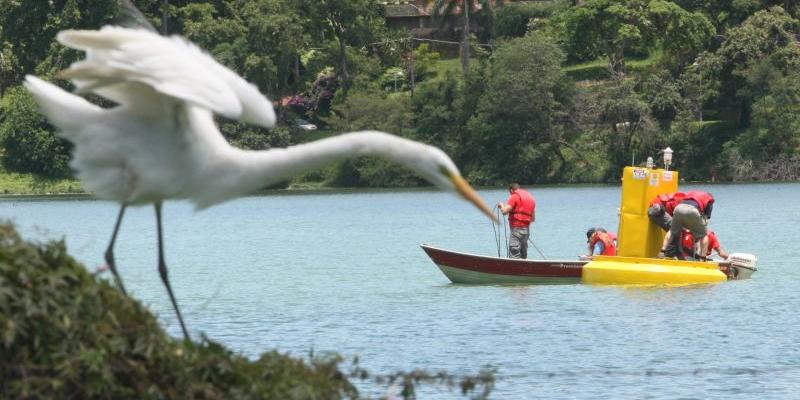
[
  {"x": 691, "y": 213},
  {"x": 688, "y": 244},
  {"x": 521, "y": 211},
  {"x": 601, "y": 242},
  {"x": 662, "y": 207}
]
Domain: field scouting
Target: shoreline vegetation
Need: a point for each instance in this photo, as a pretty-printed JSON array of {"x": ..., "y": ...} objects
[
  {"x": 21, "y": 185},
  {"x": 545, "y": 92},
  {"x": 26, "y": 184}
]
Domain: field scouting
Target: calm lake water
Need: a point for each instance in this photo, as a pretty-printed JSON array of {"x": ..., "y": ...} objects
[{"x": 343, "y": 271}]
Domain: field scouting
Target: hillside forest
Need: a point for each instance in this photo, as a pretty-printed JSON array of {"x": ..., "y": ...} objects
[{"x": 529, "y": 91}]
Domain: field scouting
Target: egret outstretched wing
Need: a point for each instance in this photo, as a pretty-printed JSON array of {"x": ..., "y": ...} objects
[{"x": 117, "y": 58}]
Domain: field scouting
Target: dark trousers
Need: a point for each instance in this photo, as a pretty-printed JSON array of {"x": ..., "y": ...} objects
[{"x": 518, "y": 244}]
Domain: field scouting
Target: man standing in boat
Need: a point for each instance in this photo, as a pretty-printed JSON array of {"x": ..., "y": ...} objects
[{"x": 521, "y": 211}]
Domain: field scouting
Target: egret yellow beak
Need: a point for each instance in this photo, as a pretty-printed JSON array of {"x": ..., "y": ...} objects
[{"x": 466, "y": 191}]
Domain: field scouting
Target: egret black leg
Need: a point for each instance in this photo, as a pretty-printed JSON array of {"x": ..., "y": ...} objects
[
  {"x": 110, "y": 251},
  {"x": 162, "y": 270}
]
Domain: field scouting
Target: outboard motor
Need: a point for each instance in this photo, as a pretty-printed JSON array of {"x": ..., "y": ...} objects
[{"x": 742, "y": 265}]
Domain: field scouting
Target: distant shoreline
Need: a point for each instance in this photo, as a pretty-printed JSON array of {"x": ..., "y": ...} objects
[
  {"x": 303, "y": 189},
  {"x": 22, "y": 186},
  {"x": 23, "y": 196}
]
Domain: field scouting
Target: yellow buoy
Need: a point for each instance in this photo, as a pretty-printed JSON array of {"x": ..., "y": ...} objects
[
  {"x": 638, "y": 270},
  {"x": 638, "y": 237}
]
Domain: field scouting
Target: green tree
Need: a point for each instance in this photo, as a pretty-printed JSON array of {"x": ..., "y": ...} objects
[
  {"x": 28, "y": 141},
  {"x": 663, "y": 94},
  {"x": 606, "y": 27},
  {"x": 372, "y": 109},
  {"x": 699, "y": 83},
  {"x": 29, "y": 28},
  {"x": 425, "y": 60},
  {"x": 276, "y": 28},
  {"x": 349, "y": 22},
  {"x": 620, "y": 115},
  {"x": 442, "y": 109},
  {"x": 218, "y": 29},
  {"x": 513, "y": 19},
  {"x": 262, "y": 39},
  {"x": 436, "y": 115},
  {"x": 761, "y": 35},
  {"x": 726, "y": 14},
  {"x": 775, "y": 121},
  {"x": 467, "y": 7},
  {"x": 521, "y": 116},
  {"x": 701, "y": 146},
  {"x": 681, "y": 34},
  {"x": 766, "y": 34},
  {"x": 612, "y": 28}
]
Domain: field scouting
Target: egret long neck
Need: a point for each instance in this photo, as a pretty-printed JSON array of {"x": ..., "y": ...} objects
[
  {"x": 248, "y": 171},
  {"x": 278, "y": 165}
]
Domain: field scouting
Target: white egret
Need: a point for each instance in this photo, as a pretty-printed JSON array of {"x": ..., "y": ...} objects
[{"x": 160, "y": 140}]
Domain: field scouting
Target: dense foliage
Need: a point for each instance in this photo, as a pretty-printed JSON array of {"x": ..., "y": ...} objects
[
  {"x": 521, "y": 113},
  {"x": 553, "y": 91},
  {"x": 27, "y": 140},
  {"x": 63, "y": 334}
]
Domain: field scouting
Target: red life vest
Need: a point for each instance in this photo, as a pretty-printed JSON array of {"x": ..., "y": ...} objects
[
  {"x": 608, "y": 243},
  {"x": 703, "y": 199},
  {"x": 521, "y": 214},
  {"x": 688, "y": 243},
  {"x": 669, "y": 200}
]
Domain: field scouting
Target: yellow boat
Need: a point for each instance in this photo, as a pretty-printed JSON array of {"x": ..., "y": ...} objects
[
  {"x": 640, "y": 270},
  {"x": 639, "y": 241}
]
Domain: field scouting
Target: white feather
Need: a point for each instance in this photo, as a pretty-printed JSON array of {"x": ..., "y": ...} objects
[{"x": 171, "y": 66}]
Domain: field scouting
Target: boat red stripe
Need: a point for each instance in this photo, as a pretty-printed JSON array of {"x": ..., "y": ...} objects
[{"x": 506, "y": 266}]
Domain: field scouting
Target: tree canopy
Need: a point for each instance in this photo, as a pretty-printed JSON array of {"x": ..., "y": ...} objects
[{"x": 557, "y": 91}]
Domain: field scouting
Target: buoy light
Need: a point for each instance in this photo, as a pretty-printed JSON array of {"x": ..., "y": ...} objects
[{"x": 667, "y": 158}]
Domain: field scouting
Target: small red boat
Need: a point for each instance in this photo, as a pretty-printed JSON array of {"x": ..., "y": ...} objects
[{"x": 475, "y": 269}]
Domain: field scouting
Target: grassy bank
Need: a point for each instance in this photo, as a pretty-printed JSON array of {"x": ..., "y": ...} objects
[{"x": 12, "y": 183}]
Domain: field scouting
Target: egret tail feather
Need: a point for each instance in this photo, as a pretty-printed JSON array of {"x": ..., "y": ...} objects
[{"x": 63, "y": 109}]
